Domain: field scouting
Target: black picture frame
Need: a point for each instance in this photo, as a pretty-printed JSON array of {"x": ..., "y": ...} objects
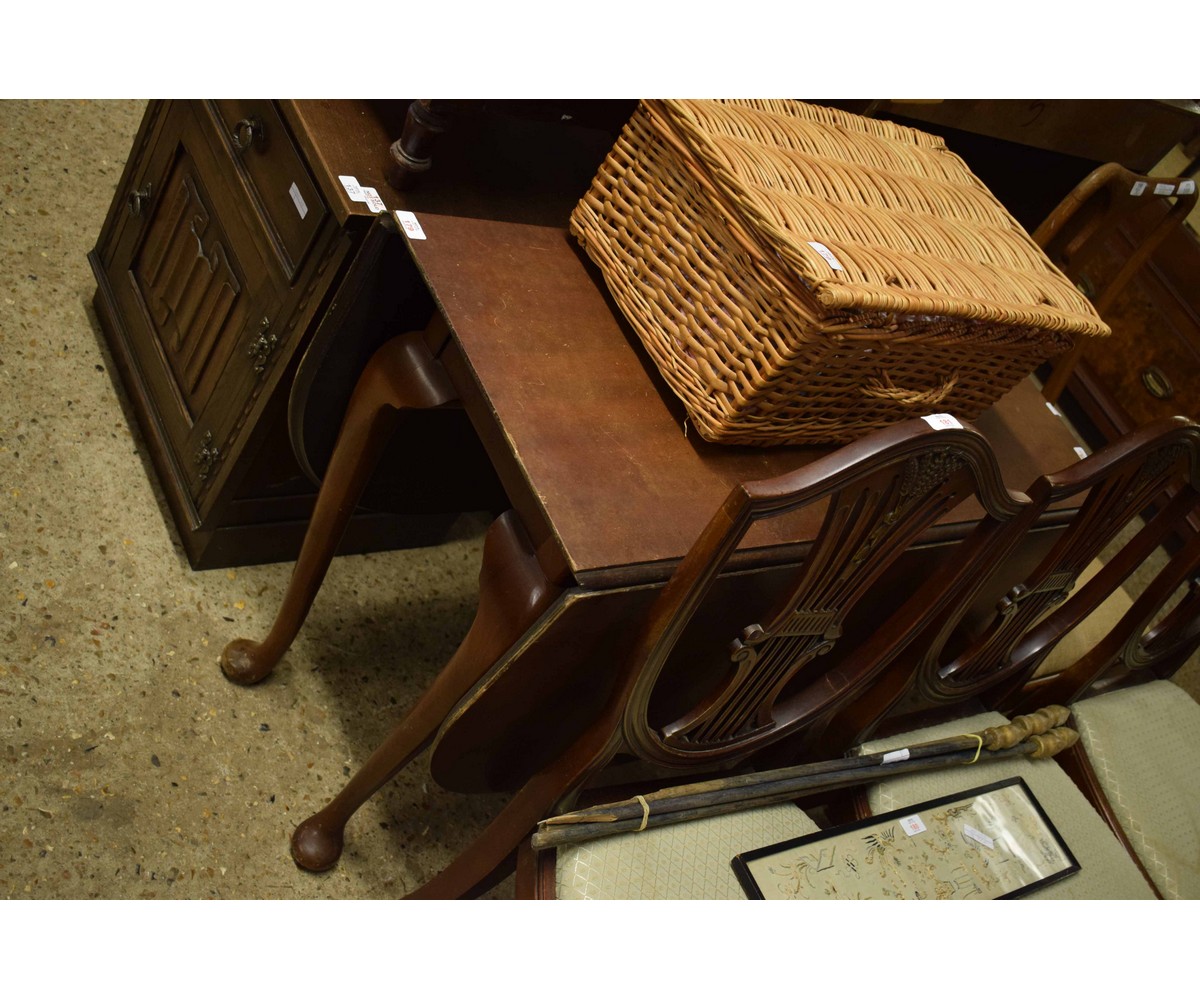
[{"x": 744, "y": 862}]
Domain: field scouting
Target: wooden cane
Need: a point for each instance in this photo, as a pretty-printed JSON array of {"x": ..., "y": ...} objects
[{"x": 1025, "y": 736}]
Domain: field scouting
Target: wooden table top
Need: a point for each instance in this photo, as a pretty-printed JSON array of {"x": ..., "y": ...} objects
[{"x": 593, "y": 449}]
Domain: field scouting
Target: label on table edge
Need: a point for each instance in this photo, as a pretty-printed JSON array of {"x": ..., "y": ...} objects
[
  {"x": 410, "y": 225},
  {"x": 354, "y": 190}
]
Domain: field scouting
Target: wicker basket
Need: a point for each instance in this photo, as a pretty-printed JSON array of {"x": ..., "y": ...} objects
[{"x": 800, "y": 274}]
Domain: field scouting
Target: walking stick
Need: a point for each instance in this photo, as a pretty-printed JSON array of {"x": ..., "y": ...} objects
[{"x": 1038, "y": 735}]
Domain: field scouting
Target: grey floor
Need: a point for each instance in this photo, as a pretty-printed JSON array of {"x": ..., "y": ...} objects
[{"x": 131, "y": 768}]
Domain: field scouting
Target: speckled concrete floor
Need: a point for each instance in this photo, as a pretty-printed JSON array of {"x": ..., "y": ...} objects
[{"x": 131, "y": 768}]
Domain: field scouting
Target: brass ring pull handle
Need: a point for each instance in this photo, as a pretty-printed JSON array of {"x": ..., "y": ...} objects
[
  {"x": 138, "y": 199},
  {"x": 1155, "y": 382},
  {"x": 247, "y": 133}
]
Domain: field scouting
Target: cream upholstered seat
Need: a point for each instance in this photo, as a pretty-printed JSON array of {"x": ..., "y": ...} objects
[
  {"x": 1141, "y": 744},
  {"x": 1091, "y": 630},
  {"x": 1106, "y": 870},
  {"x": 685, "y": 861}
]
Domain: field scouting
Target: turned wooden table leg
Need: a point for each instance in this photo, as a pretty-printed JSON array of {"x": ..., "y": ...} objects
[
  {"x": 512, "y": 596},
  {"x": 410, "y": 155},
  {"x": 401, "y": 375}
]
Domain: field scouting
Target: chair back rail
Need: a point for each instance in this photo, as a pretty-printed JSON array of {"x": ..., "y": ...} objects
[
  {"x": 779, "y": 671},
  {"x": 1152, "y": 473}
]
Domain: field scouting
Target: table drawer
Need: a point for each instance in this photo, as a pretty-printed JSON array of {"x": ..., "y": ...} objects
[{"x": 275, "y": 173}]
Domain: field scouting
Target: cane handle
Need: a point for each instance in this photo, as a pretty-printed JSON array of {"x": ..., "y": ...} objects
[
  {"x": 1024, "y": 726},
  {"x": 1053, "y": 742}
]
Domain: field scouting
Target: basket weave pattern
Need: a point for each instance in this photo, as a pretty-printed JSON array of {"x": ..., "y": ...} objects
[{"x": 701, "y": 220}]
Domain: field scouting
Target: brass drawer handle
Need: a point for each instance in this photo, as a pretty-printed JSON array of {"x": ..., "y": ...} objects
[
  {"x": 1155, "y": 381},
  {"x": 248, "y": 133},
  {"x": 139, "y": 199},
  {"x": 261, "y": 347}
]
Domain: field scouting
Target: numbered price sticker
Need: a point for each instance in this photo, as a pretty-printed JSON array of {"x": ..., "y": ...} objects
[
  {"x": 410, "y": 225},
  {"x": 942, "y": 422},
  {"x": 353, "y": 189}
]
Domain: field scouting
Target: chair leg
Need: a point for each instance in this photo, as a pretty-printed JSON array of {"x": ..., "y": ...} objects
[
  {"x": 400, "y": 375},
  {"x": 513, "y": 594},
  {"x": 515, "y": 822}
]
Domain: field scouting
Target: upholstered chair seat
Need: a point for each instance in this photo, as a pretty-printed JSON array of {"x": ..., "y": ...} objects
[
  {"x": 1106, "y": 870},
  {"x": 685, "y": 861},
  {"x": 1091, "y": 630},
  {"x": 1141, "y": 744}
]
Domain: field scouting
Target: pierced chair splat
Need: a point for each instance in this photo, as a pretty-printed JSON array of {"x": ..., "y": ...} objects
[{"x": 992, "y": 661}]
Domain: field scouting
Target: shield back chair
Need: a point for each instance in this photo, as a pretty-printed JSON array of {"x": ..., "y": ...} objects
[
  {"x": 1029, "y": 655},
  {"x": 1138, "y": 730},
  {"x": 1144, "y": 475},
  {"x": 1104, "y": 207},
  {"x": 702, "y": 693}
]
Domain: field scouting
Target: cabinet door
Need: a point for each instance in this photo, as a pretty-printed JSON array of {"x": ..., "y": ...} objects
[{"x": 198, "y": 296}]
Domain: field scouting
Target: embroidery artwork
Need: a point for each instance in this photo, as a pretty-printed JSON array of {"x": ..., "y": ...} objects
[{"x": 983, "y": 844}]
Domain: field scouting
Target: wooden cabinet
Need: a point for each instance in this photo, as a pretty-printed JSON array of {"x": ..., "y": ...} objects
[
  {"x": 1150, "y": 367},
  {"x": 229, "y": 249}
]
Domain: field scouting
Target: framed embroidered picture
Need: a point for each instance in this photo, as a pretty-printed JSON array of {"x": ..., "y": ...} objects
[{"x": 993, "y": 842}]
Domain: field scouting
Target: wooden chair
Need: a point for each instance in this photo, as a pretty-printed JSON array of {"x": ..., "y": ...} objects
[
  {"x": 706, "y": 687},
  {"x": 957, "y": 665},
  {"x": 1137, "y": 729},
  {"x": 1107, "y": 204},
  {"x": 1145, "y": 797}
]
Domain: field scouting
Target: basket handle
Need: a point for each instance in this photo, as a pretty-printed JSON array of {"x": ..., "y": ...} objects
[{"x": 882, "y": 387}]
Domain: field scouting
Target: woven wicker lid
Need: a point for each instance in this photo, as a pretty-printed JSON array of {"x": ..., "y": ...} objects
[{"x": 868, "y": 216}]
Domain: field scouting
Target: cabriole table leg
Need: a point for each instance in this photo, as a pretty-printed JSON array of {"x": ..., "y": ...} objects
[
  {"x": 513, "y": 594},
  {"x": 401, "y": 375}
]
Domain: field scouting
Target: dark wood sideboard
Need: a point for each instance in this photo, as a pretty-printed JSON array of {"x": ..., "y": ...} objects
[{"x": 231, "y": 262}]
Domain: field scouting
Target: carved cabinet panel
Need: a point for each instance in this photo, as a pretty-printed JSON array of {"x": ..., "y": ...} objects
[
  {"x": 222, "y": 253},
  {"x": 199, "y": 300}
]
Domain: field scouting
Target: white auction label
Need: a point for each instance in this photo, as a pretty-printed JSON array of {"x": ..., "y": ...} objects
[
  {"x": 894, "y": 755},
  {"x": 825, "y": 252},
  {"x": 1081, "y": 452},
  {"x": 374, "y": 202},
  {"x": 980, "y": 838},
  {"x": 1187, "y": 187},
  {"x": 1138, "y": 188},
  {"x": 1164, "y": 189},
  {"x": 298, "y": 200},
  {"x": 942, "y": 421},
  {"x": 912, "y": 825},
  {"x": 354, "y": 190},
  {"x": 408, "y": 222}
]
